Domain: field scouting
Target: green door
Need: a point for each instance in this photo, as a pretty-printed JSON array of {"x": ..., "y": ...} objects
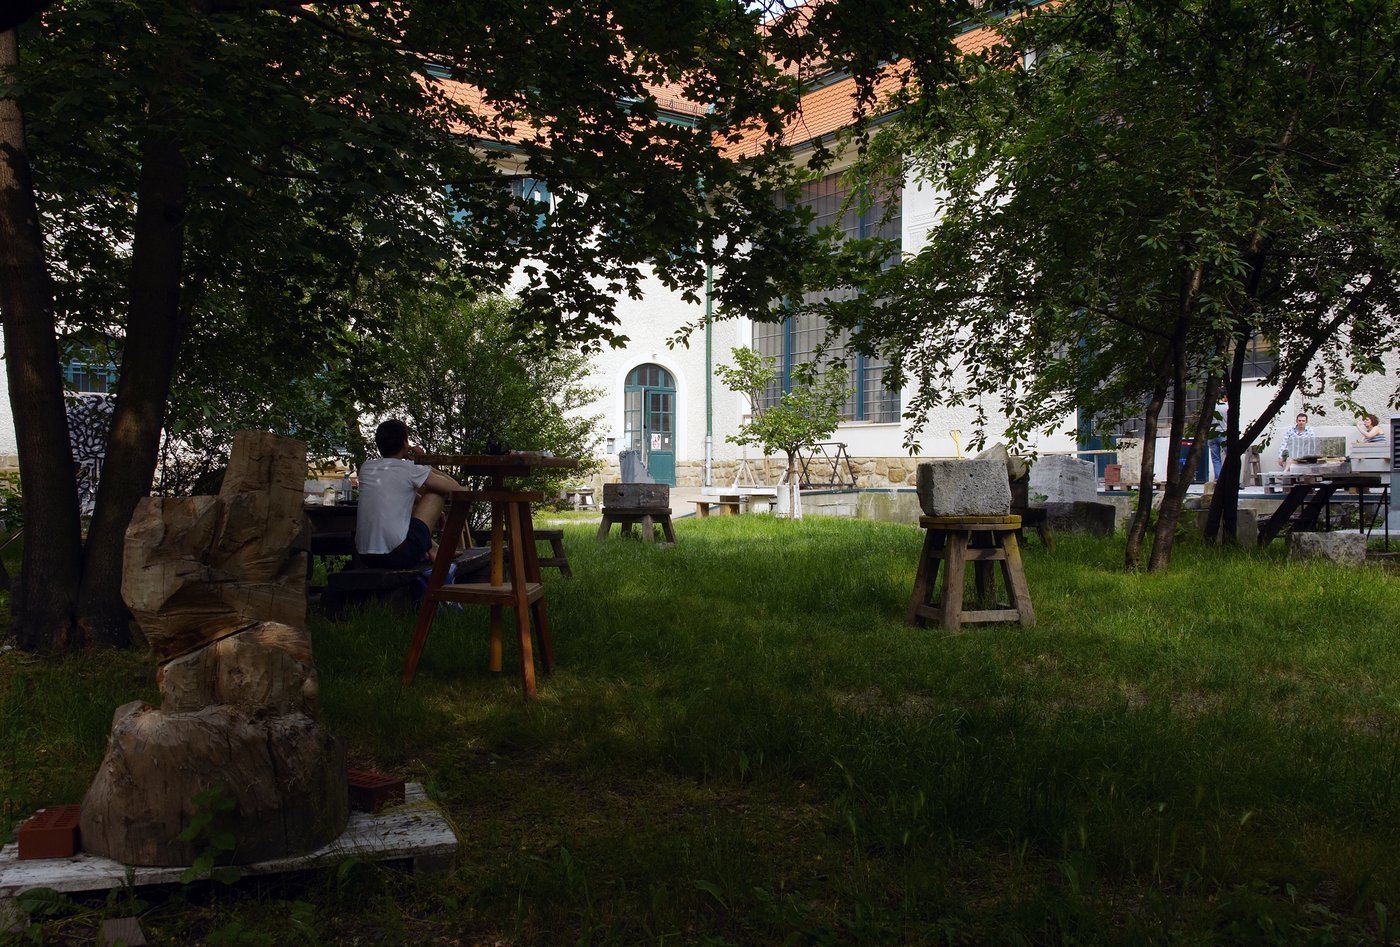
[{"x": 649, "y": 420}]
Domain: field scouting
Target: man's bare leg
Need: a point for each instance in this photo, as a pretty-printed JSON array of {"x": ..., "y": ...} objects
[{"x": 429, "y": 509}]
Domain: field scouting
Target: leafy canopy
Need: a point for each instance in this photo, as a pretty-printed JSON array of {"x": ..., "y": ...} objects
[{"x": 1168, "y": 181}]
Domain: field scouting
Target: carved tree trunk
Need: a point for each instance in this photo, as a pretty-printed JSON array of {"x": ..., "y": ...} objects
[{"x": 220, "y": 595}]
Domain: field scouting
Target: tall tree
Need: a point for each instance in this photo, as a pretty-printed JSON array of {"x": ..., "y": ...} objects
[
  {"x": 1126, "y": 207},
  {"x": 183, "y": 154}
]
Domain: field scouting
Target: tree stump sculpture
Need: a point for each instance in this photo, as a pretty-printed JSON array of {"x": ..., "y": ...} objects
[{"x": 220, "y": 594}]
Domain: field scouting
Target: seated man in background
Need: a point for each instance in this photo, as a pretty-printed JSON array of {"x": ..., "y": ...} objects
[
  {"x": 1287, "y": 451},
  {"x": 401, "y": 502}
]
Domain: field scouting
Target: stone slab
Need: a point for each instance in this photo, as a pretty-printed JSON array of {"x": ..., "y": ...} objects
[
  {"x": 415, "y": 830},
  {"x": 1062, "y": 479},
  {"x": 1343, "y": 548},
  {"x": 1093, "y": 519},
  {"x": 964, "y": 488},
  {"x": 1246, "y": 527}
]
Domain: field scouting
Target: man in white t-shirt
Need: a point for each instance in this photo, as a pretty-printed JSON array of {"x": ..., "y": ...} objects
[{"x": 400, "y": 502}]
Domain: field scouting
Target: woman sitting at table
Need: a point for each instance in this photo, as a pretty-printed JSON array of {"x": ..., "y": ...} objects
[
  {"x": 400, "y": 502},
  {"x": 1370, "y": 428}
]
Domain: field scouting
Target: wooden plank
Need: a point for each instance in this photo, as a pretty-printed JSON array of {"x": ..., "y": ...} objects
[
  {"x": 924, "y": 577},
  {"x": 1014, "y": 572},
  {"x": 951, "y": 601},
  {"x": 990, "y": 614},
  {"x": 414, "y": 831}
]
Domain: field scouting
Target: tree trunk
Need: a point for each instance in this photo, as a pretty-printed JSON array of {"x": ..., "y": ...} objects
[
  {"x": 1137, "y": 530},
  {"x": 1174, "y": 501},
  {"x": 793, "y": 488},
  {"x": 48, "y": 585},
  {"x": 1178, "y": 474},
  {"x": 1222, "y": 519},
  {"x": 154, "y": 327}
]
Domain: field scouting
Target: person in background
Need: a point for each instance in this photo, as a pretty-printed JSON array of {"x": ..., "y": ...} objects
[
  {"x": 400, "y": 502},
  {"x": 1299, "y": 429},
  {"x": 1370, "y": 428}
]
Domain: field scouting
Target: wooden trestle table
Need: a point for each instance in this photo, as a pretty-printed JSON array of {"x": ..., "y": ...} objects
[{"x": 510, "y": 517}]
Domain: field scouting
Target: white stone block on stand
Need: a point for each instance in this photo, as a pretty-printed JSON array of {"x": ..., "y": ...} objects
[{"x": 964, "y": 488}]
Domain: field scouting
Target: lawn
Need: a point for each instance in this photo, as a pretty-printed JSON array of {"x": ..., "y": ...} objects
[{"x": 744, "y": 744}]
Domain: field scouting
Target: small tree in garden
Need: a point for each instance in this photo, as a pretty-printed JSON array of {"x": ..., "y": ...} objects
[
  {"x": 807, "y": 413},
  {"x": 459, "y": 373}
]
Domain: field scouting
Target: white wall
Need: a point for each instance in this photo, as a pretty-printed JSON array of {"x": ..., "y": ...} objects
[
  {"x": 651, "y": 324},
  {"x": 9, "y": 448}
]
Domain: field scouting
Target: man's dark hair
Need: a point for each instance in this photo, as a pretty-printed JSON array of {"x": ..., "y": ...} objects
[{"x": 390, "y": 437}]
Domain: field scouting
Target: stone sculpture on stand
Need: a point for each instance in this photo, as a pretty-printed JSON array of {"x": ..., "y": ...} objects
[{"x": 220, "y": 594}]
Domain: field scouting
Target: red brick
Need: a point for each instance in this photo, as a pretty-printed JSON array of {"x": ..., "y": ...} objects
[
  {"x": 372, "y": 791},
  {"x": 50, "y": 833}
]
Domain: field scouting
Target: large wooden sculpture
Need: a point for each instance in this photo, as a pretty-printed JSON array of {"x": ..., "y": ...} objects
[{"x": 220, "y": 595}]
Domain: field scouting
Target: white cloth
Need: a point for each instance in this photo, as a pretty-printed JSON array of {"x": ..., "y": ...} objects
[{"x": 388, "y": 488}]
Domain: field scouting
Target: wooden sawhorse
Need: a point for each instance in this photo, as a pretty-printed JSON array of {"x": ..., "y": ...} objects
[
  {"x": 523, "y": 593},
  {"x": 955, "y": 541}
]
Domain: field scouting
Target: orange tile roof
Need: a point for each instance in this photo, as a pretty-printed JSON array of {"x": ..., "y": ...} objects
[
  {"x": 670, "y": 97},
  {"x": 831, "y": 107},
  {"x": 823, "y": 110}
]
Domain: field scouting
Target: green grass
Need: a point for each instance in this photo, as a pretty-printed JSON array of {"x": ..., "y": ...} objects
[{"x": 743, "y": 743}]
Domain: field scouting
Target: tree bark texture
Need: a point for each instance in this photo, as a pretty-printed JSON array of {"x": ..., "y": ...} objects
[
  {"x": 153, "y": 329},
  {"x": 1137, "y": 529},
  {"x": 47, "y": 587},
  {"x": 1178, "y": 473},
  {"x": 220, "y": 594}
]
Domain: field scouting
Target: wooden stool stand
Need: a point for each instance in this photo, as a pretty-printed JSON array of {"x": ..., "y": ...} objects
[
  {"x": 559, "y": 559},
  {"x": 521, "y": 591},
  {"x": 955, "y": 541},
  {"x": 647, "y": 519},
  {"x": 637, "y": 504}
]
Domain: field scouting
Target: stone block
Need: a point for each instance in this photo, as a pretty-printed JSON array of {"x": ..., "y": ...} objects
[
  {"x": 627, "y": 497},
  {"x": 1343, "y": 548},
  {"x": 1094, "y": 519},
  {"x": 1062, "y": 479},
  {"x": 964, "y": 488},
  {"x": 1246, "y": 527},
  {"x": 1016, "y": 465}
]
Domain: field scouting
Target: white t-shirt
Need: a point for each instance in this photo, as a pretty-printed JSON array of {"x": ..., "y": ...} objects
[{"x": 388, "y": 488}]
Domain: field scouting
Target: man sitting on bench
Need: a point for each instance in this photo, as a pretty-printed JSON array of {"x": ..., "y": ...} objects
[{"x": 400, "y": 503}]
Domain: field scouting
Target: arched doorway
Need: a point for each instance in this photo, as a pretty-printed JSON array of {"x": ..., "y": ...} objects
[{"x": 649, "y": 419}]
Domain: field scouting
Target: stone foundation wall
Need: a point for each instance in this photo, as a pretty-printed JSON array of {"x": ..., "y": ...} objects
[{"x": 870, "y": 472}]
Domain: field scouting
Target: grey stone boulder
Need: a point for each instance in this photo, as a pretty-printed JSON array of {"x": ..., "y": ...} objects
[
  {"x": 964, "y": 488},
  {"x": 1018, "y": 470},
  {"x": 1343, "y": 548},
  {"x": 1246, "y": 527},
  {"x": 1062, "y": 479},
  {"x": 1017, "y": 466},
  {"x": 1094, "y": 519}
]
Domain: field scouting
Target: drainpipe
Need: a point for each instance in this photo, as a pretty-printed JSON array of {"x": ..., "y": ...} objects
[{"x": 709, "y": 375}]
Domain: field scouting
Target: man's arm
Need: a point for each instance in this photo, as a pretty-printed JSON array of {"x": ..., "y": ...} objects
[{"x": 439, "y": 482}]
